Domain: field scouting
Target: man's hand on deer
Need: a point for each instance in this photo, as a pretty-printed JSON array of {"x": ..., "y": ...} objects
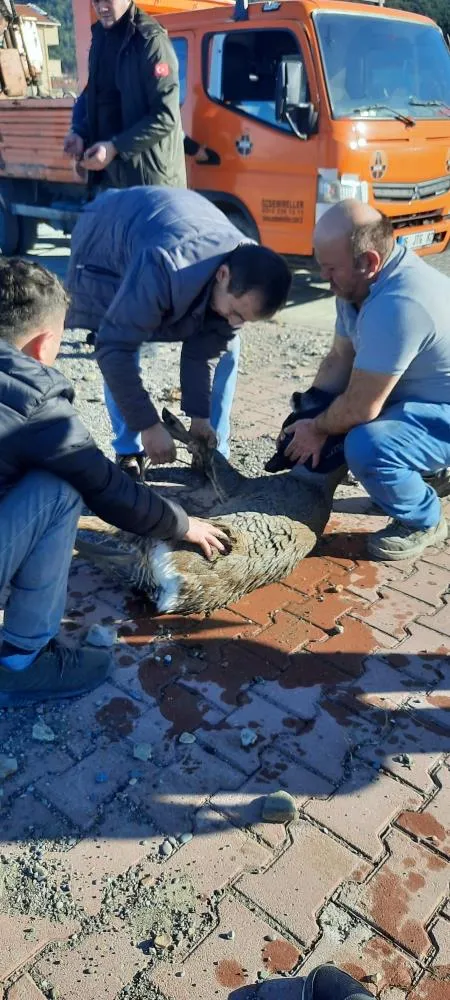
[
  {"x": 201, "y": 428},
  {"x": 307, "y": 442},
  {"x": 208, "y": 537},
  {"x": 159, "y": 445}
]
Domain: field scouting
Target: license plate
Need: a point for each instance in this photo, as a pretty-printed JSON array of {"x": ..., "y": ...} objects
[{"x": 417, "y": 240}]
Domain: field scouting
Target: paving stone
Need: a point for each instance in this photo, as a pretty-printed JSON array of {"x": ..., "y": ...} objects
[
  {"x": 402, "y": 733},
  {"x": 424, "y": 640},
  {"x": 286, "y": 635},
  {"x": 428, "y": 583},
  {"x": 438, "y": 557},
  {"x": 145, "y": 678},
  {"x": 182, "y": 711},
  {"x": 100, "y": 966},
  {"x": 77, "y": 793},
  {"x": 244, "y": 805},
  {"x": 349, "y": 648},
  {"x": 357, "y": 949},
  {"x": 402, "y": 895},
  {"x": 19, "y": 948},
  {"x": 362, "y": 808},
  {"x": 170, "y": 797},
  {"x": 28, "y": 820},
  {"x": 409, "y": 671},
  {"x": 311, "y": 573},
  {"x": 440, "y": 621},
  {"x": 220, "y": 626},
  {"x": 433, "y": 708},
  {"x": 34, "y": 759},
  {"x": 219, "y": 966},
  {"x": 299, "y": 688},
  {"x": 121, "y": 843},
  {"x": 265, "y": 719},
  {"x": 432, "y": 825},
  {"x": 101, "y": 717},
  {"x": 380, "y": 686},
  {"x": 301, "y": 881},
  {"x": 328, "y": 740},
  {"x": 215, "y": 857},
  {"x": 326, "y": 610},
  {"x": 392, "y": 612},
  {"x": 25, "y": 989},
  {"x": 261, "y": 604},
  {"x": 366, "y": 579},
  {"x": 226, "y": 677},
  {"x": 430, "y": 988}
]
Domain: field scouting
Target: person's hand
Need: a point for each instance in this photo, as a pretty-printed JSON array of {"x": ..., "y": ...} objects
[
  {"x": 201, "y": 428},
  {"x": 208, "y": 537},
  {"x": 99, "y": 156},
  {"x": 73, "y": 145},
  {"x": 159, "y": 445},
  {"x": 307, "y": 442}
]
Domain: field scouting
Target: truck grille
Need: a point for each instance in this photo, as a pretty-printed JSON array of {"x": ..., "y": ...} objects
[{"x": 412, "y": 192}]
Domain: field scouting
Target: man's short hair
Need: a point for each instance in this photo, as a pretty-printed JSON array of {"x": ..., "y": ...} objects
[
  {"x": 29, "y": 297},
  {"x": 376, "y": 235},
  {"x": 257, "y": 269}
]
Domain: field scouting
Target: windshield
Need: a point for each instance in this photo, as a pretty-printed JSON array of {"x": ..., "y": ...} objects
[{"x": 393, "y": 64}]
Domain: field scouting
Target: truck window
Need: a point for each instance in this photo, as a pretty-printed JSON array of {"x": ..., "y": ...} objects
[
  {"x": 242, "y": 70},
  {"x": 377, "y": 60},
  {"x": 181, "y": 51}
]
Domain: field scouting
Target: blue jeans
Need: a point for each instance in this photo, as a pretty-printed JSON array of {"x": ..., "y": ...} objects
[
  {"x": 127, "y": 442},
  {"x": 39, "y": 518},
  {"x": 389, "y": 454}
]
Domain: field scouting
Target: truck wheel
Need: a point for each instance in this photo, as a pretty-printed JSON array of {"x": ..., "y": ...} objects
[
  {"x": 28, "y": 233},
  {"x": 246, "y": 226},
  {"x": 9, "y": 227}
]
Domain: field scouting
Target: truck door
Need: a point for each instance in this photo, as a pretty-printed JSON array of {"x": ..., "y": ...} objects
[{"x": 264, "y": 171}]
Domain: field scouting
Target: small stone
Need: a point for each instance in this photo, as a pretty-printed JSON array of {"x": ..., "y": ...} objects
[
  {"x": 374, "y": 978},
  {"x": 403, "y": 759},
  {"x": 279, "y": 807},
  {"x": 248, "y": 737},
  {"x": 167, "y": 659},
  {"x": 101, "y": 778},
  {"x": 335, "y": 588},
  {"x": 187, "y": 738},
  {"x": 133, "y": 781},
  {"x": 166, "y": 849},
  {"x": 142, "y": 751},
  {"x": 42, "y": 733},
  {"x": 173, "y": 841},
  {"x": 163, "y": 941},
  {"x": 8, "y": 766},
  {"x": 181, "y": 974},
  {"x": 270, "y": 937},
  {"x": 185, "y": 838},
  {"x": 101, "y": 635},
  {"x": 228, "y": 935}
]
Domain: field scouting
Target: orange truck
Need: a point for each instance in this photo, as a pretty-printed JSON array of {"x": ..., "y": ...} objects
[{"x": 304, "y": 102}]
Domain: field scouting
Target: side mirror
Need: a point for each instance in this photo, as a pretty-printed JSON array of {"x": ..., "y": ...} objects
[
  {"x": 291, "y": 88},
  {"x": 292, "y": 104}
]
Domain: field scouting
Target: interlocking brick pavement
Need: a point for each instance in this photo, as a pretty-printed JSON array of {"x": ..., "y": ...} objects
[{"x": 342, "y": 673}]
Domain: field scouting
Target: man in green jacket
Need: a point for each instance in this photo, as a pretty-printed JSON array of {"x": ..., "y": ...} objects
[{"x": 126, "y": 126}]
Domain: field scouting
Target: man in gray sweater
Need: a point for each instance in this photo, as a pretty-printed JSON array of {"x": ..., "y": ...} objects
[{"x": 153, "y": 264}]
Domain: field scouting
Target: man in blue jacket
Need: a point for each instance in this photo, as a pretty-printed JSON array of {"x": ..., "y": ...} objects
[
  {"x": 154, "y": 264},
  {"x": 48, "y": 465}
]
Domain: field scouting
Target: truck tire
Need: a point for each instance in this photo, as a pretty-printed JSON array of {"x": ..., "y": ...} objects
[
  {"x": 9, "y": 225},
  {"x": 246, "y": 226},
  {"x": 28, "y": 233}
]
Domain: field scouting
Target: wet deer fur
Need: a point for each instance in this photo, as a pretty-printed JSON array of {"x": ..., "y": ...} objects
[{"x": 272, "y": 522}]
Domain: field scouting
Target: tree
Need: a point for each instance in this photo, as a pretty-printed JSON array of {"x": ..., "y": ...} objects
[{"x": 439, "y": 10}]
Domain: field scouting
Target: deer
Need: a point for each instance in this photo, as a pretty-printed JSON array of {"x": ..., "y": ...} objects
[{"x": 271, "y": 522}]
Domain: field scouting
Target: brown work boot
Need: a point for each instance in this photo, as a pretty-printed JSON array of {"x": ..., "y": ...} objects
[
  {"x": 57, "y": 672},
  {"x": 134, "y": 465}
]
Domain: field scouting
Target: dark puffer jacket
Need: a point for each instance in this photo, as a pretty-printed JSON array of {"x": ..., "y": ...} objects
[
  {"x": 39, "y": 429},
  {"x": 150, "y": 145}
]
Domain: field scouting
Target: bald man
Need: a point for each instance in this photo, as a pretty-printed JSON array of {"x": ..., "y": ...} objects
[{"x": 389, "y": 371}]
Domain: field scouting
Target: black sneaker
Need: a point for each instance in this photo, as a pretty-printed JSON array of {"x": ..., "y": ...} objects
[
  {"x": 58, "y": 672},
  {"x": 440, "y": 481},
  {"x": 329, "y": 983},
  {"x": 134, "y": 465}
]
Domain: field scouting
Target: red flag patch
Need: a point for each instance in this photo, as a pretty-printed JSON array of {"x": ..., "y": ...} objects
[{"x": 162, "y": 69}]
